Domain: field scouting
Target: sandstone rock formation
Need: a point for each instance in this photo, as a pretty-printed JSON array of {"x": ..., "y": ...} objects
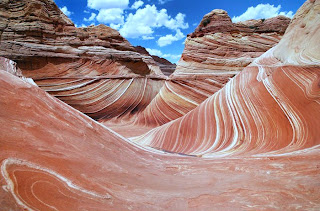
[
  {"x": 93, "y": 69},
  {"x": 52, "y": 157},
  {"x": 11, "y": 67},
  {"x": 268, "y": 108},
  {"x": 259, "y": 134},
  {"x": 98, "y": 72},
  {"x": 214, "y": 53},
  {"x": 219, "y": 46},
  {"x": 166, "y": 67},
  {"x": 36, "y": 34}
]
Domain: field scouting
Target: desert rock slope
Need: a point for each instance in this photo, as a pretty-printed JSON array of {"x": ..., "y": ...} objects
[
  {"x": 252, "y": 145},
  {"x": 98, "y": 72}
]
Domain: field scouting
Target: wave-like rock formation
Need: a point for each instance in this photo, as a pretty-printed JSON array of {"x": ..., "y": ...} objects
[
  {"x": 220, "y": 47},
  {"x": 36, "y": 34},
  {"x": 268, "y": 108},
  {"x": 94, "y": 69},
  {"x": 213, "y": 54},
  {"x": 98, "y": 72},
  {"x": 52, "y": 157},
  {"x": 264, "y": 122}
]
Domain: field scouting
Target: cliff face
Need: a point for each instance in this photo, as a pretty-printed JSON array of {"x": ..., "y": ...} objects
[
  {"x": 267, "y": 109},
  {"x": 213, "y": 54},
  {"x": 219, "y": 46},
  {"x": 36, "y": 33},
  {"x": 94, "y": 69}
]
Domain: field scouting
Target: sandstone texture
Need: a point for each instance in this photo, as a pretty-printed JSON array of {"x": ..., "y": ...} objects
[
  {"x": 36, "y": 33},
  {"x": 101, "y": 74},
  {"x": 219, "y": 46},
  {"x": 268, "y": 108},
  {"x": 166, "y": 67},
  {"x": 94, "y": 69},
  {"x": 252, "y": 145},
  {"x": 213, "y": 54}
]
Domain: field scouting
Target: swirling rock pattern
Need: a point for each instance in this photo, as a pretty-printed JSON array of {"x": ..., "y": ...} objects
[
  {"x": 259, "y": 134},
  {"x": 36, "y": 34},
  {"x": 220, "y": 47},
  {"x": 98, "y": 72},
  {"x": 213, "y": 54},
  {"x": 266, "y": 109},
  {"x": 52, "y": 157},
  {"x": 93, "y": 69}
]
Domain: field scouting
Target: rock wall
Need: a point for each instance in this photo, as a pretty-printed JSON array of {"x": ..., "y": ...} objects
[
  {"x": 213, "y": 54},
  {"x": 36, "y": 33},
  {"x": 94, "y": 69},
  {"x": 268, "y": 108}
]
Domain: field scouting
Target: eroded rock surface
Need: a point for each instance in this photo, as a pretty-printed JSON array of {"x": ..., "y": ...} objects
[
  {"x": 268, "y": 108},
  {"x": 219, "y": 46},
  {"x": 101, "y": 74},
  {"x": 213, "y": 54},
  {"x": 259, "y": 134},
  {"x": 36, "y": 33},
  {"x": 94, "y": 69},
  {"x": 53, "y": 157}
]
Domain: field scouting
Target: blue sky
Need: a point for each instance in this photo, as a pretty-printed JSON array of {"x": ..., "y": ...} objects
[{"x": 161, "y": 26}]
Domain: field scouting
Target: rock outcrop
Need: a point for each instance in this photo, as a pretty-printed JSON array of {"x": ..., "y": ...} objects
[
  {"x": 53, "y": 157},
  {"x": 166, "y": 67},
  {"x": 261, "y": 128},
  {"x": 213, "y": 54},
  {"x": 268, "y": 108},
  {"x": 94, "y": 69},
  {"x": 98, "y": 72},
  {"x": 219, "y": 46},
  {"x": 36, "y": 33}
]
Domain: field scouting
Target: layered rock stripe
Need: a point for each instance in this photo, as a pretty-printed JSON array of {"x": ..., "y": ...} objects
[
  {"x": 268, "y": 108},
  {"x": 213, "y": 54},
  {"x": 98, "y": 72},
  {"x": 55, "y": 158},
  {"x": 257, "y": 136}
]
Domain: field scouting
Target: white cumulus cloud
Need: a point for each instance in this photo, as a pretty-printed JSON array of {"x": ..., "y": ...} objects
[
  {"x": 169, "y": 38},
  {"x": 147, "y": 37},
  {"x": 137, "y": 4},
  {"x": 91, "y": 18},
  {"x": 111, "y": 16},
  {"x": 66, "y": 11},
  {"x": 82, "y": 25},
  {"x": 262, "y": 11},
  {"x": 107, "y": 4},
  {"x": 145, "y": 20},
  {"x": 163, "y": 1},
  {"x": 171, "y": 57},
  {"x": 115, "y": 26}
]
